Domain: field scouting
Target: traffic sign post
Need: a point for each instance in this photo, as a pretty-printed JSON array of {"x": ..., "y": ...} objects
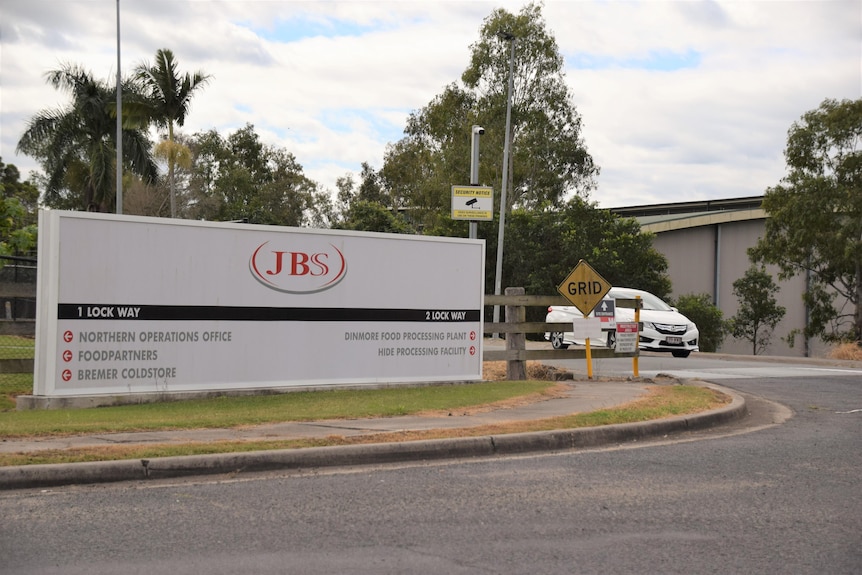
[
  {"x": 638, "y": 304},
  {"x": 634, "y": 303},
  {"x": 585, "y": 288}
]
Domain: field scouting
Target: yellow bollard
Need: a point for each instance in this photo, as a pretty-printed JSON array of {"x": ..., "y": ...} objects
[
  {"x": 589, "y": 356},
  {"x": 638, "y": 336}
]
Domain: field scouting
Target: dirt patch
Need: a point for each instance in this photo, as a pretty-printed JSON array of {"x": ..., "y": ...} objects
[{"x": 496, "y": 371}]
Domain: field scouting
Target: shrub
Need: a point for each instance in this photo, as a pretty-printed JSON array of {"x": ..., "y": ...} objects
[{"x": 708, "y": 318}]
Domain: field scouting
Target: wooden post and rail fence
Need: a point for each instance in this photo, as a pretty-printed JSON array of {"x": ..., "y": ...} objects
[{"x": 516, "y": 327}]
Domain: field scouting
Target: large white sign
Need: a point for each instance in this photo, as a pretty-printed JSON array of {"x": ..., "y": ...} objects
[{"x": 133, "y": 304}]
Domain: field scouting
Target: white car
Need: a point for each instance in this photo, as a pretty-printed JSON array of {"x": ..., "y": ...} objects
[{"x": 664, "y": 328}]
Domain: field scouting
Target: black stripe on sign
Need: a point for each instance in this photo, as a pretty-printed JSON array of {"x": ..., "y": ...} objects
[{"x": 223, "y": 313}]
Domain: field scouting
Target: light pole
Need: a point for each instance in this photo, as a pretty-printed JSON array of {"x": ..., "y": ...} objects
[
  {"x": 119, "y": 121},
  {"x": 498, "y": 278},
  {"x": 474, "y": 172}
]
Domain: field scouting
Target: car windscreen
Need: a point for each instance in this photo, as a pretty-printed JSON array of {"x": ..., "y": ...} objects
[{"x": 649, "y": 300}]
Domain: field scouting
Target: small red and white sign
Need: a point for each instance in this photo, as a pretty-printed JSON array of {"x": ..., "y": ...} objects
[{"x": 627, "y": 337}]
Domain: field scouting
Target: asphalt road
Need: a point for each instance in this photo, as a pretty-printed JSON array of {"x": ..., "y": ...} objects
[
  {"x": 754, "y": 497},
  {"x": 715, "y": 367}
]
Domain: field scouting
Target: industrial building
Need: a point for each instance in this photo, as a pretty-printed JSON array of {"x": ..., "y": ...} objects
[{"x": 706, "y": 245}]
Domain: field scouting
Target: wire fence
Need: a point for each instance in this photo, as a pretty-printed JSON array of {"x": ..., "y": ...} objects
[
  {"x": 16, "y": 368},
  {"x": 17, "y": 288},
  {"x": 17, "y": 327}
]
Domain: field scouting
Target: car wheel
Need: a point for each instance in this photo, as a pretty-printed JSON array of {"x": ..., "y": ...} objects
[
  {"x": 557, "y": 340},
  {"x": 681, "y": 353},
  {"x": 612, "y": 339}
]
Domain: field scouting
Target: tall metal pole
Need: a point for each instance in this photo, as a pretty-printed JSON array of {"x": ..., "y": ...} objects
[
  {"x": 474, "y": 172},
  {"x": 498, "y": 278},
  {"x": 119, "y": 121}
]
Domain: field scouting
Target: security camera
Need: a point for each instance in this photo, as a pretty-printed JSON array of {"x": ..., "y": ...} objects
[{"x": 479, "y": 130}]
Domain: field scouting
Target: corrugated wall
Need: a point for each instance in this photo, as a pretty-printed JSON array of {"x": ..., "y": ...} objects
[{"x": 692, "y": 254}]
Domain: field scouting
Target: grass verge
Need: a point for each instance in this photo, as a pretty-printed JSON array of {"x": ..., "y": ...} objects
[
  {"x": 659, "y": 402},
  {"x": 227, "y": 412}
]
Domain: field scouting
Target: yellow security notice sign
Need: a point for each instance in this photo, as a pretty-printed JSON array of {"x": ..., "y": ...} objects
[
  {"x": 584, "y": 287},
  {"x": 472, "y": 203}
]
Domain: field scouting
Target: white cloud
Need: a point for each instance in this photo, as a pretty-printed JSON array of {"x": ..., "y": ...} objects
[{"x": 680, "y": 100}]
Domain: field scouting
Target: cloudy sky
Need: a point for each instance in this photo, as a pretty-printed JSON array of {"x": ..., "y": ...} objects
[{"x": 680, "y": 100}]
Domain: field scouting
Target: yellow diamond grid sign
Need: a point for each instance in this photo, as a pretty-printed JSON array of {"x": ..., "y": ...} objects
[{"x": 584, "y": 287}]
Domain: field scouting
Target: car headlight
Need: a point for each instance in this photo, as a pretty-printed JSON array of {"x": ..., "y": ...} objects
[
  {"x": 690, "y": 327},
  {"x": 648, "y": 325}
]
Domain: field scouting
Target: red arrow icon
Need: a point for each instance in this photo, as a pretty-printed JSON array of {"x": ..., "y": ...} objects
[
  {"x": 68, "y": 336},
  {"x": 67, "y": 356},
  {"x": 67, "y": 375}
]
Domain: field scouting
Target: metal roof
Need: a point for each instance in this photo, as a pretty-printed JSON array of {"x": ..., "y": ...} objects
[{"x": 673, "y": 216}]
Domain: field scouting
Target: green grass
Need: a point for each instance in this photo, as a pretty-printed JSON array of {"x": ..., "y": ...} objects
[
  {"x": 226, "y": 412},
  {"x": 17, "y": 347},
  {"x": 661, "y": 401},
  {"x": 12, "y": 384},
  {"x": 665, "y": 401}
]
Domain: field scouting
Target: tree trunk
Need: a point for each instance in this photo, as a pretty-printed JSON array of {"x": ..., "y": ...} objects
[
  {"x": 171, "y": 161},
  {"x": 754, "y": 341},
  {"x": 173, "y": 191}
]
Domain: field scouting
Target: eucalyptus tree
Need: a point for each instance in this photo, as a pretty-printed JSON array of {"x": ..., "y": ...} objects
[
  {"x": 169, "y": 94},
  {"x": 370, "y": 216},
  {"x": 549, "y": 159},
  {"x": 76, "y": 144},
  {"x": 369, "y": 192},
  {"x": 239, "y": 177},
  {"x": 815, "y": 218}
]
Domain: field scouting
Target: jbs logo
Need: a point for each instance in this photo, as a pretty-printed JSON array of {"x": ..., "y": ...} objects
[{"x": 302, "y": 270}]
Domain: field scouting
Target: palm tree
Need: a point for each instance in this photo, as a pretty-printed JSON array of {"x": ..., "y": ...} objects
[
  {"x": 169, "y": 99},
  {"x": 76, "y": 145}
]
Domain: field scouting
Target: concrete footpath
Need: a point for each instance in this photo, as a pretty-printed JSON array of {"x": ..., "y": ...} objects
[{"x": 579, "y": 397}]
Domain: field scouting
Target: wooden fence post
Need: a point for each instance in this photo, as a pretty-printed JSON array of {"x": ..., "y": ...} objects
[{"x": 516, "y": 369}]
